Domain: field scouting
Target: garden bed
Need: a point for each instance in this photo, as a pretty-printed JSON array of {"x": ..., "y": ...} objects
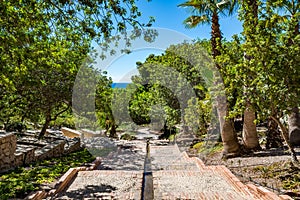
[{"x": 40, "y": 175}]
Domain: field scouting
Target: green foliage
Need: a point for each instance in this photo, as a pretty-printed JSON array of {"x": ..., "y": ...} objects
[
  {"x": 261, "y": 64},
  {"x": 140, "y": 105},
  {"x": 203, "y": 11},
  {"x": 128, "y": 136},
  {"x": 21, "y": 181},
  {"x": 43, "y": 45},
  {"x": 198, "y": 115},
  {"x": 201, "y": 147},
  {"x": 64, "y": 120},
  {"x": 167, "y": 82}
]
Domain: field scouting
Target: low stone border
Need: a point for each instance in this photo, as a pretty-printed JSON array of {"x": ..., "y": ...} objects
[
  {"x": 266, "y": 194},
  {"x": 63, "y": 182}
]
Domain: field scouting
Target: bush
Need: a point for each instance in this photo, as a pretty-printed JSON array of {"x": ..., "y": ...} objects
[
  {"x": 15, "y": 126},
  {"x": 128, "y": 136}
]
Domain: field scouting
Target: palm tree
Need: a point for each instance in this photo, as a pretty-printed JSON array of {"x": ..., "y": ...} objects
[{"x": 207, "y": 12}]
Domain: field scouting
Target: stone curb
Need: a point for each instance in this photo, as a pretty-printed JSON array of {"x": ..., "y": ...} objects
[
  {"x": 63, "y": 182},
  {"x": 263, "y": 193}
]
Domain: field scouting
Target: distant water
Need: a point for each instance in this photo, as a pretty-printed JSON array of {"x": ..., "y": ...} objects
[{"x": 119, "y": 85}]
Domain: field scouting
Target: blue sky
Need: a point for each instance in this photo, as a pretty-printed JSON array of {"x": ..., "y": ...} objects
[{"x": 167, "y": 15}]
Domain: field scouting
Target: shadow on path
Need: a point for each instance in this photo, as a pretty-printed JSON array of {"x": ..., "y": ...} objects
[{"x": 90, "y": 191}]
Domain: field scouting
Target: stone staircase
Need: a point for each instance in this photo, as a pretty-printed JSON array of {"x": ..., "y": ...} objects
[{"x": 175, "y": 176}]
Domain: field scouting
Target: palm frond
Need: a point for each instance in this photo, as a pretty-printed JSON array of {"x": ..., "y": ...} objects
[
  {"x": 228, "y": 7},
  {"x": 193, "y": 21},
  {"x": 196, "y": 5}
]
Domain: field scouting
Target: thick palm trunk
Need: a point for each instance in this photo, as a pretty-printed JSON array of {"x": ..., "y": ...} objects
[
  {"x": 294, "y": 127},
  {"x": 228, "y": 134},
  {"x": 249, "y": 135}
]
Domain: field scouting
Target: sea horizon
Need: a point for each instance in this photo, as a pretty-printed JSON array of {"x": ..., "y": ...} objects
[{"x": 119, "y": 85}]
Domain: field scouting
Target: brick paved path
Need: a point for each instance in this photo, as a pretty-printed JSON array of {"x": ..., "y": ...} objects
[{"x": 175, "y": 176}]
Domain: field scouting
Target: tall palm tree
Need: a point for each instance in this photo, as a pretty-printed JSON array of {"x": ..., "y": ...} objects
[{"x": 207, "y": 12}]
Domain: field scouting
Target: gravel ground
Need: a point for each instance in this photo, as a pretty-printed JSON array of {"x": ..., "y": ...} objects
[{"x": 264, "y": 157}]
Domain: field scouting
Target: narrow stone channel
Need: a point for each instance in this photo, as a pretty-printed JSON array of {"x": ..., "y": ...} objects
[{"x": 147, "y": 186}]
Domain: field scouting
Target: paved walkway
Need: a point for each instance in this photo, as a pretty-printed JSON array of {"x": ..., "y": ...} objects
[
  {"x": 175, "y": 176},
  {"x": 104, "y": 184}
]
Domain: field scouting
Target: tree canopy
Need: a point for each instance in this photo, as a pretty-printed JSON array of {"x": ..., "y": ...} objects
[{"x": 44, "y": 43}]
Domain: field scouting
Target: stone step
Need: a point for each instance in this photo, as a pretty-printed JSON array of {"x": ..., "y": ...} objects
[
  {"x": 178, "y": 176},
  {"x": 194, "y": 185},
  {"x": 105, "y": 184},
  {"x": 170, "y": 158},
  {"x": 203, "y": 196}
]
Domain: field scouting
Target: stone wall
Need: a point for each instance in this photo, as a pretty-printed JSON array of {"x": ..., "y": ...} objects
[
  {"x": 72, "y": 146},
  {"x": 54, "y": 149},
  {"x": 13, "y": 154},
  {"x": 8, "y": 144}
]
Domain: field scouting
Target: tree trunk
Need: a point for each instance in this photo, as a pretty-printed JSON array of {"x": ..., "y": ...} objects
[
  {"x": 45, "y": 126},
  {"x": 294, "y": 127},
  {"x": 216, "y": 36},
  {"x": 285, "y": 136},
  {"x": 229, "y": 139},
  {"x": 249, "y": 135},
  {"x": 274, "y": 139},
  {"x": 228, "y": 134},
  {"x": 113, "y": 131}
]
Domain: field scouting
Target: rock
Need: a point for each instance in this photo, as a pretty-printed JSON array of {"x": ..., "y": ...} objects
[
  {"x": 70, "y": 132},
  {"x": 88, "y": 133}
]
